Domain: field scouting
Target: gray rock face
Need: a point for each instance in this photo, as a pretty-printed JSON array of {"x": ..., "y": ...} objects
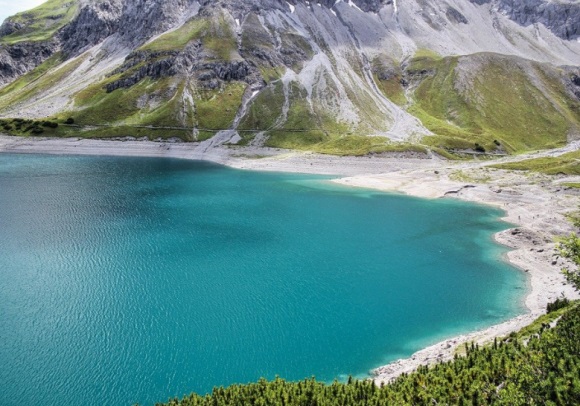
[
  {"x": 9, "y": 27},
  {"x": 141, "y": 19},
  {"x": 94, "y": 23},
  {"x": 154, "y": 65},
  {"x": 561, "y": 17},
  {"x": 455, "y": 16},
  {"x": 19, "y": 59}
]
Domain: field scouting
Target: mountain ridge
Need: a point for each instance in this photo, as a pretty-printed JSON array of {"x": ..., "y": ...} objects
[{"x": 302, "y": 75}]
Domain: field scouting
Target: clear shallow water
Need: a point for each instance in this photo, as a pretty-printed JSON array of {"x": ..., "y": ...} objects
[{"x": 127, "y": 280}]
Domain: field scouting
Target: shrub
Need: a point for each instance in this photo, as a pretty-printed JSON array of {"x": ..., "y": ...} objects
[
  {"x": 50, "y": 124},
  {"x": 558, "y": 304},
  {"x": 479, "y": 148}
]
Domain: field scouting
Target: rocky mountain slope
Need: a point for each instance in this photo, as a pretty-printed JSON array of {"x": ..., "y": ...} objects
[{"x": 452, "y": 75}]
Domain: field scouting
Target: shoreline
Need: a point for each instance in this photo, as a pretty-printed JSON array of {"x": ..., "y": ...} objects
[
  {"x": 535, "y": 202},
  {"x": 537, "y": 210}
]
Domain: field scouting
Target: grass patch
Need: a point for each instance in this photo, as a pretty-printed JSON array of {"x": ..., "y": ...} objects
[
  {"x": 566, "y": 164},
  {"x": 214, "y": 33},
  {"x": 217, "y": 109},
  {"x": 301, "y": 128},
  {"x": 42, "y": 22},
  {"x": 177, "y": 40},
  {"x": 24, "y": 127},
  {"x": 32, "y": 76},
  {"x": 354, "y": 145},
  {"x": 122, "y": 105},
  {"x": 392, "y": 89},
  {"x": 265, "y": 109},
  {"x": 128, "y": 131},
  {"x": 46, "y": 76},
  {"x": 220, "y": 40},
  {"x": 160, "y": 103},
  {"x": 499, "y": 107},
  {"x": 572, "y": 185},
  {"x": 426, "y": 53},
  {"x": 544, "y": 320},
  {"x": 470, "y": 177},
  {"x": 254, "y": 36},
  {"x": 271, "y": 74}
]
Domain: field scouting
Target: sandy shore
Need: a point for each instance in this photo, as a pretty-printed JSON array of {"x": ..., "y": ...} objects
[{"x": 536, "y": 203}]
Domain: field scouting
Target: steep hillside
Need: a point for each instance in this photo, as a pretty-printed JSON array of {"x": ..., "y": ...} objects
[{"x": 451, "y": 74}]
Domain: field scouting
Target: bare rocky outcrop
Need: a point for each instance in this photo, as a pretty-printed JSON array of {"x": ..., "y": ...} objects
[
  {"x": 19, "y": 59},
  {"x": 94, "y": 23},
  {"x": 560, "y": 17}
]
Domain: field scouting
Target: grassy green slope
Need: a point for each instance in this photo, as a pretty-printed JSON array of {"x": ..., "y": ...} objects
[
  {"x": 17, "y": 90},
  {"x": 160, "y": 103},
  {"x": 567, "y": 164},
  {"x": 50, "y": 74},
  {"x": 42, "y": 22},
  {"x": 170, "y": 101},
  {"x": 491, "y": 99},
  {"x": 216, "y": 36}
]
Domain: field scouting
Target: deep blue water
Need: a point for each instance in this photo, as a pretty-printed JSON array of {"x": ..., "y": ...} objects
[{"x": 127, "y": 280}]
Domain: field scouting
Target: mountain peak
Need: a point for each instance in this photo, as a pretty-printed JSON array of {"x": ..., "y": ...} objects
[{"x": 298, "y": 73}]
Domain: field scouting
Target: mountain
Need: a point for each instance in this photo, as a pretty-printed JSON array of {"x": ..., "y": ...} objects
[{"x": 332, "y": 76}]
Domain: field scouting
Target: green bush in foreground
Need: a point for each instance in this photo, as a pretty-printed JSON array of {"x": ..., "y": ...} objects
[
  {"x": 539, "y": 369},
  {"x": 569, "y": 248}
]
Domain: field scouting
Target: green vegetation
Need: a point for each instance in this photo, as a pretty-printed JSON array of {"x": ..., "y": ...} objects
[
  {"x": 264, "y": 111},
  {"x": 32, "y": 76},
  {"x": 217, "y": 110},
  {"x": 478, "y": 176},
  {"x": 569, "y": 248},
  {"x": 125, "y": 106},
  {"x": 567, "y": 164},
  {"x": 540, "y": 367},
  {"x": 306, "y": 127},
  {"x": 572, "y": 185},
  {"x": 121, "y": 131},
  {"x": 177, "y": 40},
  {"x": 424, "y": 53},
  {"x": 388, "y": 76},
  {"x": 255, "y": 36},
  {"x": 358, "y": 145},
  {"x": 392, "y": 89},
  {"x": 489, "y": 102},
  {"x": 220, "y": 39},
  {"x": 160, "y": 103},
  {"x": 64, "y": 128},
  {"x": 42, "y": 22},
  {"x": 49, "y": 75},
  {"x": 23, "y": 127},
  {"x": 214, "y": 33}
]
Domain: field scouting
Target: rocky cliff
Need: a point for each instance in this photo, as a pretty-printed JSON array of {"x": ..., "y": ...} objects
[
  {"x": 560, "y": 17},
  {"x": 300, "y": 74}
]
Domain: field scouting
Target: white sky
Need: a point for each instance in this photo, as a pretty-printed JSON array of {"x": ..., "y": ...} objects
[{"x": 11, "y": 7}]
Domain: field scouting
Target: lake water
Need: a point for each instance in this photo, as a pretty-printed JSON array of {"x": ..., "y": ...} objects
[{"x": 127, "y": 280}]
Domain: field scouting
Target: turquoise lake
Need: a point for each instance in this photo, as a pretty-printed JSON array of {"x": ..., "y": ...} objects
[{"x": 126, "y": 280}]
